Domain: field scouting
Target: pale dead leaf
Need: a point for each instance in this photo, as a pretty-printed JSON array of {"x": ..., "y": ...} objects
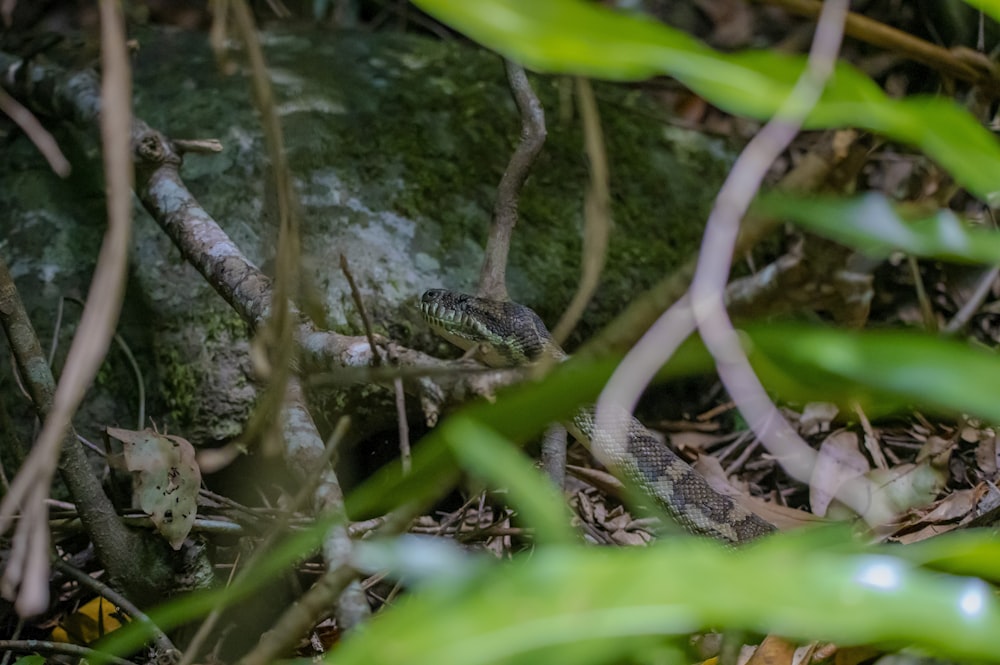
[
  {"x": 823, "y": 652},
  {"x": 166, "y": 480},
  {"x": 838, "y": 461},
  {"x": 988, "y": 453},
  {"x": 842, "y": 141},
  {"x": 953, "y": 507},
  {"x": 948, "y": 514},
  {"x": 628, "y": 538},
  {"x": 618, "y": 523},
  {"x": 691, "y": 440},
  {"x": 937, "y": 450},
  {"x": 910, "y": 486},
  {"x": 584, "y": 507},
  {"x": 816, "y": 417},
  {"x": 929, "y": 531}
]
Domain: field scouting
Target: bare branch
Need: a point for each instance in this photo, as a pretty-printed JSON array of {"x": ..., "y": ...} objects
[
  {"x": 492, "y": 278},
  {"x": 39, "y": 135}
]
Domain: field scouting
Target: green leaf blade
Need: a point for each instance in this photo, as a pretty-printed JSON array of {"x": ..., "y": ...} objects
[{"x": 530, "y": 610}]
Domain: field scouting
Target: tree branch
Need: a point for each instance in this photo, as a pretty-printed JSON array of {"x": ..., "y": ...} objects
[{"x": 492, "y": 278}]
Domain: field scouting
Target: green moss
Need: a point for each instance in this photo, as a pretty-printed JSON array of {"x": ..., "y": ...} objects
[
  {"x": 180, "y": 382},
  {"x": 223, "y": 324}
]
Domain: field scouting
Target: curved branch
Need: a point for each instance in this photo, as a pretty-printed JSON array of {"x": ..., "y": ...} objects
[{"x": 492, "y": 278}]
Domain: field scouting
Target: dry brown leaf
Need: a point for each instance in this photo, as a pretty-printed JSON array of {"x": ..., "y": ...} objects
[
  {"x": 731, "y": 19},
  {"x": 953, "y": 507},
  {"x": 988, "y": 453},
  {"x": 855, "y": 655},
  {"x": 166, "y": 479},
  {"x": 929, "y": 531},
  {"x": 775, "y": 651}
]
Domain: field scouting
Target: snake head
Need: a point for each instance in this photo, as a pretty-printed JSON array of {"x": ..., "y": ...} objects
[{"x": 503, "y": 333}]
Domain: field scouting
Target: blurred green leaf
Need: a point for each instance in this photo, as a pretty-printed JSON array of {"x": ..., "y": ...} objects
[
  {"x": 575, "y": 37},
  {"x": 590, "y": 605},
  {"x": 882, "y": 370},
  {"x": 990, "y": 7},
  {"x": 416, "y": 559},
  {"x": 491, "y": 457},
  {"x": 871, "y": 223},
  {"x": 965, "y": 552}
]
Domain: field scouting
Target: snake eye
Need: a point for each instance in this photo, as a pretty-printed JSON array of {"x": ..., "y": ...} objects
[{"x": 430, "y": 296}]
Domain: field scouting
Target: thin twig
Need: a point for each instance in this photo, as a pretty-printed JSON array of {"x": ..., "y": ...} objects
[
  {"x": 36, "y": 132},
  {"x": 299, "y": 617},
  {"x": 596, "y": 214},
  {"x": 492, "y": 278},
  {"x": 90, "y": 344},
  {"x": 277, "y": 335},
  {"x": 983, "y": 288},
  {"x": 397, "y": 383},
  {"x": 926, "y": 308},
  {"x": 404, "y": 425},
  {"x": 56, "y": 329},
  {"x": 359, "y": 303}
]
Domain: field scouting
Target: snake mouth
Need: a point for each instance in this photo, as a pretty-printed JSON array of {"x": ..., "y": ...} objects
[{"x": 447, "y": 312}]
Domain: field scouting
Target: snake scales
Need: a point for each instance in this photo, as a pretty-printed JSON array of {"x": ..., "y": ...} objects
[{"x": 507, "y": 334}]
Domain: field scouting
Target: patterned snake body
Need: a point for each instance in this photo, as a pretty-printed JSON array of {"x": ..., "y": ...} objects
[{"x": 507, "y": 334}]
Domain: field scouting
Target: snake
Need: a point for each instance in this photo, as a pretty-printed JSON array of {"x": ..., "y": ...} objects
[{"x": 507, "y": 334}]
